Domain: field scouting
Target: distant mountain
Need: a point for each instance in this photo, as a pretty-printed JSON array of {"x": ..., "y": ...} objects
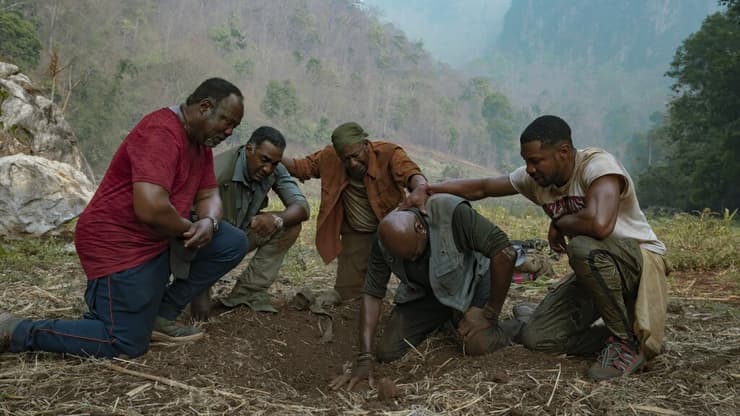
[
  {"x": 455, "y": 32},
  {"x": 634, "y": 34},
  {"x": 600, "y": 64},
  {"x": 304, "y": 66}
]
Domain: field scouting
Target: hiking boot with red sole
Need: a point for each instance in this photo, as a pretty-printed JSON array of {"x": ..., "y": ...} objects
[{"x": 619, "y": 358}]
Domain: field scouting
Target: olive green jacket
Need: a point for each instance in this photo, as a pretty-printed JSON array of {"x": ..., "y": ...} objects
[{"x": 243, "y": 198}]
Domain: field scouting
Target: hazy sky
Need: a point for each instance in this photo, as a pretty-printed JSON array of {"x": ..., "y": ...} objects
[{"x": 454, "y": 31}]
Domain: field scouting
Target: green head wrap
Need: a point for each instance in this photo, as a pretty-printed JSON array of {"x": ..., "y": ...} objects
[{"x": 347, "y": 134}]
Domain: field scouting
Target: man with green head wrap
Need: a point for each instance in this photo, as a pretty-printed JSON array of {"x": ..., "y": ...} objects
[{"x": 361, "y": 182}]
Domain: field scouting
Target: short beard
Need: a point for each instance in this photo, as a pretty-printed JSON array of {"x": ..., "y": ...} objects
[{"x": 211, "y": 142}]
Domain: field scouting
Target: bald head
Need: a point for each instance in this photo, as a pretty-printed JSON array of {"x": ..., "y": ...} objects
[{"x": 402, "y": 234}]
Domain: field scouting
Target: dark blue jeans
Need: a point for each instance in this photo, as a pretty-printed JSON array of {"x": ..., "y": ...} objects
[{"x": 123, "y": 306}]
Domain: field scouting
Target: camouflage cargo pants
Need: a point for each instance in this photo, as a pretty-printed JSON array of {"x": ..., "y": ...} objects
[
  {"x": 252, "y": 284},
  {"x": 604, "y": 283}
]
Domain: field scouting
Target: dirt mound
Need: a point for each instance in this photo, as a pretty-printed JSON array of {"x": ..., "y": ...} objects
[{"x": 262, "y": 349}]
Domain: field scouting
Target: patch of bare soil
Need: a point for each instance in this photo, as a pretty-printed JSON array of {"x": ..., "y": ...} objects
[{"x": 257, "y": 363}]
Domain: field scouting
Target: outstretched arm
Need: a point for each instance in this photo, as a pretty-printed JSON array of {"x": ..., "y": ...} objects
[
  {"x": 475, "y": 189},
  {"x": 369, "y": 317},
  {"x": 363, "y": 368},
  {"x": 376, "y": 284},
  {"x": 470, "y": 189},
  {"x": 307, "y": 167}
]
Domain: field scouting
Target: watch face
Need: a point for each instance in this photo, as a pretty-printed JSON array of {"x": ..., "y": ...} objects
[{"x": 278, "y": 222}]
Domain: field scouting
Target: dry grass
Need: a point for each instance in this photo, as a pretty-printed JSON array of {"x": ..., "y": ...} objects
[{"x": 697, "y": 375}]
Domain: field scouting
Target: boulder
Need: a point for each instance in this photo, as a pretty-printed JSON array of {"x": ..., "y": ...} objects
[
  {"x": 31, "y": 124},
  {"x": 45, "y": 180},
  {"x": 38, "y": 195}
]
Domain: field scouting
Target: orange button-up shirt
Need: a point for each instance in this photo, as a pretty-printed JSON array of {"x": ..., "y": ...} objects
[{"x": 389, "y": 170}]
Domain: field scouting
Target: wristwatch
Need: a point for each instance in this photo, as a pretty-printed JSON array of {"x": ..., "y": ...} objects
[
  {"x": 214, "y": 223},
  {"x": 278, "y": 221}
]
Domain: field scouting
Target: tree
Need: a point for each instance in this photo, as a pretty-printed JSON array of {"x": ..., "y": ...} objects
[
  {"x": 497, "y": 112},
  {"x": 704, "y": 119},
  {"x": 20, "y": 42},
  {"x": 280, "y": 99}
]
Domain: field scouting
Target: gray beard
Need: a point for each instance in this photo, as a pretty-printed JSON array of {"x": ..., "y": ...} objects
[{"x": 211, "y": 142}]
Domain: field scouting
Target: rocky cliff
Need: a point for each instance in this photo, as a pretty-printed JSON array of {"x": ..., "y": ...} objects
[{"x": 45, "y": 180}]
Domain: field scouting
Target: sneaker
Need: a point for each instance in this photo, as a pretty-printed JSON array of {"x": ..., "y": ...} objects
[
  {"x": 8, "y": 322},
  {"x": 524, "y": 311},
  {"x": 170, "y": 331},
  {"x": 618, "y": 358}
]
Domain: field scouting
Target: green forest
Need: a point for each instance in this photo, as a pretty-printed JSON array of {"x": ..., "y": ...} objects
[
  {"x": 306, "y": 66},
  {"x": 693, "y": 153}
]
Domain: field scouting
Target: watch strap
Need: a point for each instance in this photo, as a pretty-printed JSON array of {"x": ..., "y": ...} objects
[{"x": 214, "y": 223}]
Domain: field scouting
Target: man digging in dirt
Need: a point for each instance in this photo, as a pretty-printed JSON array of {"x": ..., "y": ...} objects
[
  {"x": 619, "y": 271},
  {"x": 453, "y": 265},
  {"x": 361, "y": 182},
  {"x": 163, "y": 168},
  {"x": 245, "y": 175}
]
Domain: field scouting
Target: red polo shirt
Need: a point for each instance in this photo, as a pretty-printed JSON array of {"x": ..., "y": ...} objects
[{"x": 108, "y": 236}]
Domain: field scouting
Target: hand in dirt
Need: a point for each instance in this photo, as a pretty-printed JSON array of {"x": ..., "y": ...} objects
[
  {"x": 473, "y": 322},
  {"x": 416, "y": 199},
  {"x": 200, "y": 306},
  {"x": 556, "y": 238},
  {"x": 362, "y": 370}
]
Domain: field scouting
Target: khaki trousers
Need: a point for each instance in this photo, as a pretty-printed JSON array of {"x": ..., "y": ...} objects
[
  {"x": 604, "y": 283},
  {"x": 264, "y": 266},
  {"x": 352, "y": 261}
]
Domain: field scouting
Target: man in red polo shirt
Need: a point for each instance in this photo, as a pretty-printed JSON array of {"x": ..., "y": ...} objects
[{"x": 162, "y": 170}]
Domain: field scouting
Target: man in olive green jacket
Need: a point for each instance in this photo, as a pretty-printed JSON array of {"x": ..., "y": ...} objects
[{"x": 245, "y": 175}]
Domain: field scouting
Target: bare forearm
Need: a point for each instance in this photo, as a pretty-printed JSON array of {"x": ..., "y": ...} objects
[
  {"x": 369, "y": 317},
  {"x": 152, "y": 207},
  {"x": 415, "y": 181},
  {"x": 502, "y": 267},
  {"x": 583, "y": 223},
  {"x": 209, "y": 206},
  {"x": 571, "y": 225},
  {"x": 475, "y": 189},
  {"x": 599, "y": 216},
  {"x": 166, "y": 221},
  {"x": 293, "y": 214}
]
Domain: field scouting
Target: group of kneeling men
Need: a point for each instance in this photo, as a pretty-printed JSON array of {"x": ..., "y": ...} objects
[{"x": 168, "y": 220}]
